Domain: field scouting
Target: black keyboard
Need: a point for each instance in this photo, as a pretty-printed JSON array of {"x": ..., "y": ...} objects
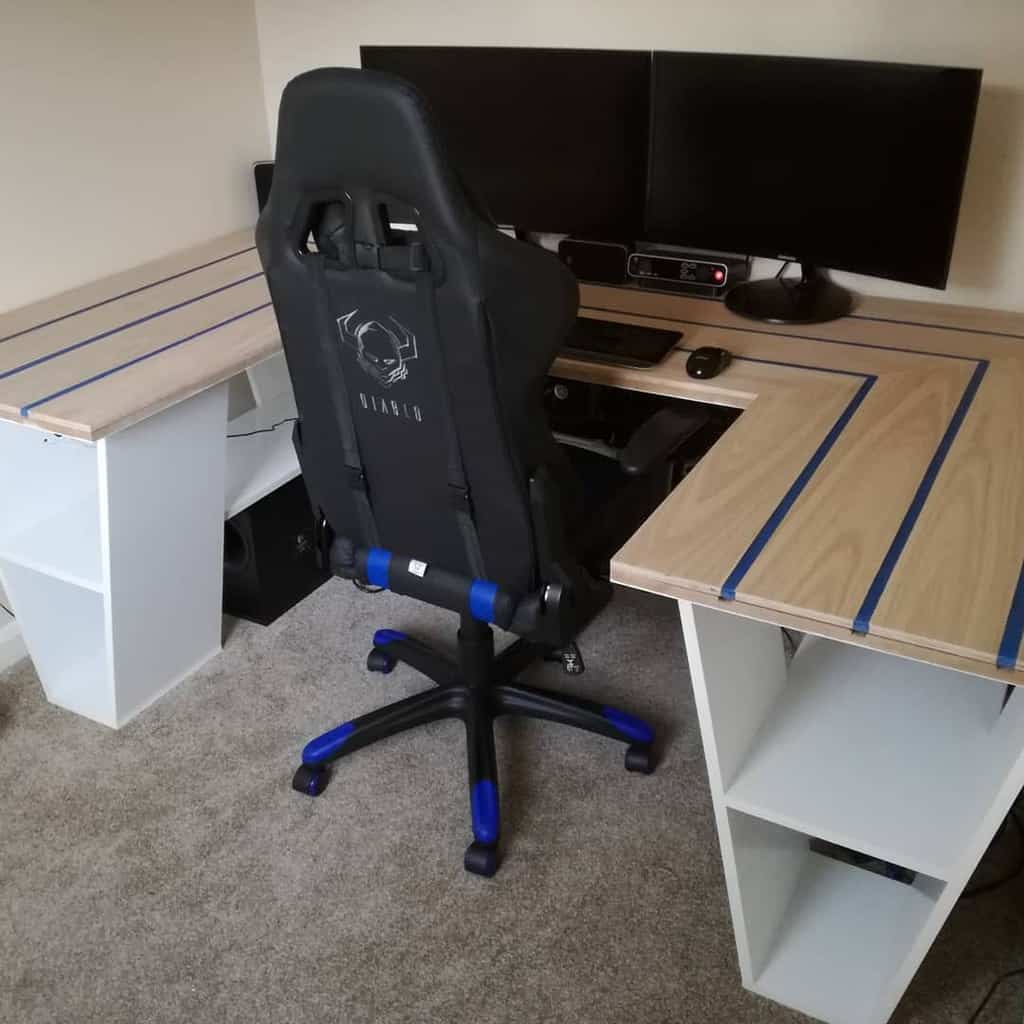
[{"x": 603, "y": 341}]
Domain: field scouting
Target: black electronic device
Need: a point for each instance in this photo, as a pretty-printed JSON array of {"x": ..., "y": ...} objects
[
  {"x": 263, "y": 176},
  {"x": 270, "y": 555},
  {"x": 605, "y": 341},
  {"x": 701, "y": 273},
  {"x": 707, "y": 362},
  {"x": 548, "y": 139},
  {"x": 851, "y": 165},
  {"x": 601, "y": 262}
]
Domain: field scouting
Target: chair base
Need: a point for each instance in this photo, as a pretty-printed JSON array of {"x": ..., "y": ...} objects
[{"x": 476, "y": 688}]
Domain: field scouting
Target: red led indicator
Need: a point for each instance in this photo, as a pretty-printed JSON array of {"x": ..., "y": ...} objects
[{"x": 718, "y": 274}]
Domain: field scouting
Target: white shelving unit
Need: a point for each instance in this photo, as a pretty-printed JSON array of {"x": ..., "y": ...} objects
[
  {"x": 904, "y": 762},
  {"x": 12, "y": 646},
  {"x": 111, "y": 554}
]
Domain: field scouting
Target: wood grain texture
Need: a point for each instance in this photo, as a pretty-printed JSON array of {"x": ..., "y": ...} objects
[
  {"x": 941, "y": 536},
  {"x": 809, "y": 517},
  {"x": 99, "y": 358}
]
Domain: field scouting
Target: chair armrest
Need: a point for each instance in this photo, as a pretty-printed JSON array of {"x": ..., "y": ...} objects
[{"x": 658, "y": 439}]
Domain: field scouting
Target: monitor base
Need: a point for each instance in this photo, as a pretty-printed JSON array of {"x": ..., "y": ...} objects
[{"x": 812, "y": 299}]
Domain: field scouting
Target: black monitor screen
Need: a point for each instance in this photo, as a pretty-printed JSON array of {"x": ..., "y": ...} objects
[
  {"x": 845, "y": 164},
  {"x": 550, "y": 140}
]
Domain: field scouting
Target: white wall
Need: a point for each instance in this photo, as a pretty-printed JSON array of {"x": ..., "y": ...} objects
[
  {"x": 988, "y": 262},
  {"x": 128, "y": 128}
]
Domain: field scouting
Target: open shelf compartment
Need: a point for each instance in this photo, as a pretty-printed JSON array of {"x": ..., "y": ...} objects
[
  {"x": 264, "y": 459},
  {"x": 824, "y": 937},
  {"x": 902, "y": 754},
  {"x": 52, "y": 521},
  {"x": 76, "y": 671}
]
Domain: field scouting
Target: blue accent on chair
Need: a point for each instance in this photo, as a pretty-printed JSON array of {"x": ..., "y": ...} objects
[
  {"x": 481, "y": 600},
  {"x": 635, "y": 728},
  {"x": 383, "y": 637},
  {"x": 378, "y": 566},
  {"x": 326, "y": 746},
  {"x": 483, "y": 801}
]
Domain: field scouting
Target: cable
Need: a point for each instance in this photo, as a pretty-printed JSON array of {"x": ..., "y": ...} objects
[
  {"x": 790, "y": 641},
  {"x": 267, "y": 430},
  {"x": 782, "y": 269},
  {"x": 6, "y": 609},
  {"x": 1019, "y": 972},
  {"x": 980, "y": 890}
]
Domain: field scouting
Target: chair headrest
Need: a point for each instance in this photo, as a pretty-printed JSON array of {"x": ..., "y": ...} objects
[{"x": 364, "y": 130}]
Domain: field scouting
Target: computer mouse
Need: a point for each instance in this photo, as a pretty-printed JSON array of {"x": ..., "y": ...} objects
[{"x": 707, "y": 362}]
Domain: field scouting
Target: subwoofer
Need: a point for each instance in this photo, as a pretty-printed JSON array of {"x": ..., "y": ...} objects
[{"x": 270, "y": 557}]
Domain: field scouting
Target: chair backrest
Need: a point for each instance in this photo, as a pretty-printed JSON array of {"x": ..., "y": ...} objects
[{"x": 417, "y": 353}]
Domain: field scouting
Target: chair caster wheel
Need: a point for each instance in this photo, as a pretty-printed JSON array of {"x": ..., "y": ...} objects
[
  {"x": 640, "y": 758},
  {"x": 481, "y": 859},
  {"x": 380, "y": 661},
  {"x": 311, "y": 780}
]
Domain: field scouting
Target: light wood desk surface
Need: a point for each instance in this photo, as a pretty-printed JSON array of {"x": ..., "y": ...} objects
[
  {"x": 104, "y": 356},
  {"x": 873, "y": 489},
  {"x": 875, "y": 479}
]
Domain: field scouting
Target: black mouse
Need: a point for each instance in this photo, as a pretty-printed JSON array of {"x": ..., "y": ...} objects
[{"x": 707, "y": 362}]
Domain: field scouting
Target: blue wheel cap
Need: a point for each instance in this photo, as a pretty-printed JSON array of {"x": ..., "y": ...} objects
[
  {"x": 631, "y": 727},
  {"x": 483, "y": 799},
  {"x": 327, "y": 745},
  {"x": 383, "y": 637}
]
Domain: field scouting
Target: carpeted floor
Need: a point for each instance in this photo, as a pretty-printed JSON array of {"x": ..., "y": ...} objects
[{"x": 167, "y": 872}]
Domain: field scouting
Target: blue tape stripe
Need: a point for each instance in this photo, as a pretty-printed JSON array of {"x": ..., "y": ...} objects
[
  {"x": 862, "y": 621},
  {"x": 1009, "y": 646},
  {"x": 482, "y": 595},
  {"x": 25, "y": 409},
  {"x": 123, "y": 327},
  {"x": 787, "y": 334},
  {"x": 378, "y": 567},
  {"x": 937, "y": 327},
  {"x": 782, "y": 362},
  {"x": 775, "y": 519},
  {"x": 125, "y": 295}
]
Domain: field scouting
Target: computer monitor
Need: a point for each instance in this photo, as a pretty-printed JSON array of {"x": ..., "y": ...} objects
[
  {"x": 851, "y": 165},
  {"x": 549, "y": 140}
]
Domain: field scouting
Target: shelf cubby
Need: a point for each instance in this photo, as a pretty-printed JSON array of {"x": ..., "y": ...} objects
[{"x": 901, "y": 752}]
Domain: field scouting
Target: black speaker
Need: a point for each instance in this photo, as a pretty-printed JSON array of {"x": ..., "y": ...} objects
[
  {"x": 263, "y": 175},
  {"x": 270, "y": 556},
  {"x": 601, "y": 262}
]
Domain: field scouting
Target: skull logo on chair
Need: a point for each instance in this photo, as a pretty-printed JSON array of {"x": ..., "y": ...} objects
[{"x": 383, "y": 350}]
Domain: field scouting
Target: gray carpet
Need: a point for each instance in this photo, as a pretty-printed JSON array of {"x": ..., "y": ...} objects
[{"x": 167, "y": 872}]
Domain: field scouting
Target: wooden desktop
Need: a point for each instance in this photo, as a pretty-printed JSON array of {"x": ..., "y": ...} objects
[{"x": 871, "y": 494}]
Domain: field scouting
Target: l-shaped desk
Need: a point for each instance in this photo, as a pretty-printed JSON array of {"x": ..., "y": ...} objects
[{"x": 871, "y": 495}]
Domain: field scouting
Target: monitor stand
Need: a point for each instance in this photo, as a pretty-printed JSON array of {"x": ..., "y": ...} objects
[{"x": 810, "y": 300}]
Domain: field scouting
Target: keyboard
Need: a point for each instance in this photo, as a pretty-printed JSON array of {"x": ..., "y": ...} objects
[{"x": 604, "y": 341}]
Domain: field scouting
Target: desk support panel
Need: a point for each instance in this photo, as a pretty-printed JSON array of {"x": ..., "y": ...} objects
[
  {"x": 113, "y": 560},
  {"x": 906, "y": 763}
]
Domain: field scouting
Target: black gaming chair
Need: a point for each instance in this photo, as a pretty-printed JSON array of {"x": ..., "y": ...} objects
[{"x": 418, "y": 356}]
